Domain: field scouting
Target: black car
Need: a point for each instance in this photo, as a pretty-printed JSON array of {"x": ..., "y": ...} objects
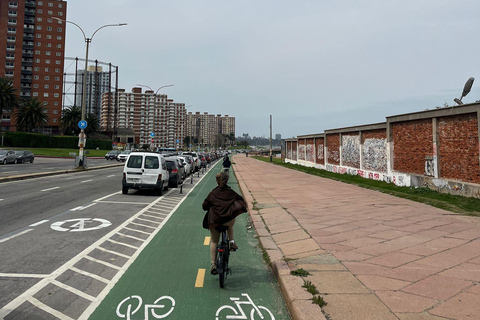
[
  {"x": 24, "y": 156},
  {"x": 176, "y": 171},
  {"x": 112, "y": 155}
]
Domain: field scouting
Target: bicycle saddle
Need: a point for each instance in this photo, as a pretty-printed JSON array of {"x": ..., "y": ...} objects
[{"x": 221, "y": 228}]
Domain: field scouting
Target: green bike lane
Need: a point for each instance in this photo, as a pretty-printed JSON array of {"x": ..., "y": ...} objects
[{"x": 165, "y": 281}]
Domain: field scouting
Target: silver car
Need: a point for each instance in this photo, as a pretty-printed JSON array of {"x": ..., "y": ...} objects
[{"x": 8, "y": 156}]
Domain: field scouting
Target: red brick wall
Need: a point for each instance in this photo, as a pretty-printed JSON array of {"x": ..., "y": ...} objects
[
  {"x": 301, "y": 149},
  {"x": 413, "y": 141},
  {"x": 294, "y": 150},
  {"x": 458, "y": 148},
  {"x": 320, "y": 150},
  {"x": 374, "y": 134},
  {"x": 333, "y": 144},
  {"x": 310, "y": 151}
]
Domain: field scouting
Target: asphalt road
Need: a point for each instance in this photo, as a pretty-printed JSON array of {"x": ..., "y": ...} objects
[{"x": 41, "y": 165}]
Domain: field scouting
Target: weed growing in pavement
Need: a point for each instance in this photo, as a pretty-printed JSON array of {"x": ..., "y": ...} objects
[
  {"x": 459, "y": 204},
  {"x": 300, "y": 273},
  {"x": 310, "y": 287},
  {"x": 318, "y": 300}
]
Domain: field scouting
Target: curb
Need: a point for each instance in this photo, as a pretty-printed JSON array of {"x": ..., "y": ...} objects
[{"x": 298, "y": 300}]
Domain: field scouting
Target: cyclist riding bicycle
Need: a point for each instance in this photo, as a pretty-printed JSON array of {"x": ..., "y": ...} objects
[
  {"x": 226, "y": 164},
  {"x": 223, "y": 205}
]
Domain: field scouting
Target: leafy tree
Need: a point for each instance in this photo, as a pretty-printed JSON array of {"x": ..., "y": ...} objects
[
  {"x": 8, "y": 95},
  {"x": 93, "y": 124},
  {"x": 30, "y": 115},
  {"x": 69, "y": 120}
]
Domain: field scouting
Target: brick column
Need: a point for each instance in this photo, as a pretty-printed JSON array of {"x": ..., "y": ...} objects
[{"x": 436, "y": 148}]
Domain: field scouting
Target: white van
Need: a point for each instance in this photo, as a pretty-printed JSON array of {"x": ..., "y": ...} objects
[{"x": 145, "y": 170}]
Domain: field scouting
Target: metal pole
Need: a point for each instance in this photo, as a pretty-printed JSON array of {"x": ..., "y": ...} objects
[{"x": 270, "y": 138}]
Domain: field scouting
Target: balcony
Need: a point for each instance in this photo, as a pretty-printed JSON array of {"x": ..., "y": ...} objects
[
  {"x": 27, "y": 46},
  {"x": 30, "y": 4},
  {"x": 28, "y": 37},
  {"x": 27, "y": 55},
  {"x": 29, "y": 21},
  {"x": 29, "y": 13}
]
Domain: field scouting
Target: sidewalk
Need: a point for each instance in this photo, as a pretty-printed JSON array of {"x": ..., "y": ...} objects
[{"x": 370, "y": 255}]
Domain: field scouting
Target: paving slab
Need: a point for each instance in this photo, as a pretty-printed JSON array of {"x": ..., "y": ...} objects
[{"x": 371, "y": 255}]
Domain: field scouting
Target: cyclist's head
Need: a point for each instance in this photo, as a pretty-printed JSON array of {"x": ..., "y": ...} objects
[{"x": 222, "y": 179}]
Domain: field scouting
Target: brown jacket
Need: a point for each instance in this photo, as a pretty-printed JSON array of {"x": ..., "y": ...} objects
[{"x": 222, "y": 205}]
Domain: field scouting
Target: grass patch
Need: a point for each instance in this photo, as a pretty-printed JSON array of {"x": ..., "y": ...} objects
[
  {"x": 457, "y": 204},
  {"x": 319, "y": 300},
  {"x": 300, "y": 273},
  {"x": 64, "y": 153},
  {"x": 310, "y": 287}
]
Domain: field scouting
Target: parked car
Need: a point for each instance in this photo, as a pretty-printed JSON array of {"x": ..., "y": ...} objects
[
  {"x": 189, "y": 165},
  {"x": 8, "y": 156},
  {"x": 112, "y": 155},
  {"x": 145, "y": 170},
  {"x": 176, "y": 171},
  {"x": 196, "y": 160},
  {"x": 122, "y": 156},
  {"x": 24, "y": 156}
]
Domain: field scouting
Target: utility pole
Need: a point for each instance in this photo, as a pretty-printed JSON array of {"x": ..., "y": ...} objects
[{"x": 270, "y": 138}]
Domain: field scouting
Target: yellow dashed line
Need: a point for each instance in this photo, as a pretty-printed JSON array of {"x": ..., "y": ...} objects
[
  {"x": 206, "y": 242},
  {"x": 200, "y": 278}
]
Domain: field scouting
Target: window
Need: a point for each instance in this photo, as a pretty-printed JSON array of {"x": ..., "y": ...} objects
[
  {"x": 39, "y": 19},
  {"x": 49, "y": 28},
  {"x": 58, "y": 62},
  {"x": 56, "y": 95},
  {"x": 39, "y": 27},
  {"x": 49, "y": 45},
  {"x": 45, "y": 104},
  {"x": 49, "y": 20},
  {"x": 12, "y": 30},
  {"x": 55, "y": 103},
  {"x": 57, "y": 86},
  {"x": 55, "y": 111},
  {"x": 40, "y": 3},
  {"x": 50, "y": 4},
  {"x": 9, "y": 64},
  {"x": 57, "y": 70},
  {"x": 49, "y": 36},
  {"x": 39, "y": 11},
  {"x": 35, "y": 94},
  {"x": 60, "y": 5},
  {"x": 10, "y": 47},
  {"x": 60, "y": 13},
  {"x": 47, "y": 78},
  {"x": 35, "y": 85},
  {"x": 59, "y": 38},
  {"x": 36, "y": 69},
  {"x": 37, "y": 51},
  {"x": 10, "y": 56},
  {"x": 45, "y": 94},
  {"x": 58, "y": 54},
  {"x": 48, "y": 53},
  {"x": 12, "y": 22},
  {"x": 36, "y": 77},
  {"x": 45, "y": 110},
  {"x": 46, "y": 86},
  {"x": 47, "y": 61},
  {"x": 38, "y": 35},
  {"x": 47, "y": 70},
  {"x": 59, "y": 29},
  {"x": 50, "y": 12},
  {"x": 55, "y": 120},
  {"x": 59, "y": 46},
  {"x": 38, "y": 44}
]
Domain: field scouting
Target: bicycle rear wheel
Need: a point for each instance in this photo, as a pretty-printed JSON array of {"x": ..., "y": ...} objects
[{"x": 221, "y": 268}]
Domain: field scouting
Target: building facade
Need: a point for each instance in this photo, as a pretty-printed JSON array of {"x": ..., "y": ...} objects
[
  {"x": 32, "y": 46},
  {"x": 98, "y": 82},
  {"x": 205, "y": 128},
  {"x": 155, "y": 119}
]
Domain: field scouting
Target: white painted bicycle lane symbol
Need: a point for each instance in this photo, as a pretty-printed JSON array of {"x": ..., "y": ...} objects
[
  {"x": 131, "y": 305},
  {"x": 80, "y": 225},
  {"x": 239, "y": 313}
]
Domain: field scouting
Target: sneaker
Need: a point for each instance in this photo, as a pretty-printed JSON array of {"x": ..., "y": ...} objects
[
  {"x": 233, "y": 246},
  {"x": 213, "y": 269}
]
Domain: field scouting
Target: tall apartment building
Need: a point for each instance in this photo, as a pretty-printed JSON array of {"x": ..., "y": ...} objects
[
  {"x": 33, "y": 54},
  {"x": 98, "y": 82},
  {"x": 146, "y": 113},
  {"x": 205, "y": 127}
]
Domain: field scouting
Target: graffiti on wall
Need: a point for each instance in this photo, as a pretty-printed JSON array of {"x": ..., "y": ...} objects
[
  {"x": 334, "y": 155},
  {"x": 310, "y": 153},
  {"x": 351, "y": 150},
  {"x": 320, "y": 152},
  {"x": 429, "y": 166},
  {"x": 301, "y": 152},
  {"x": 375, "y": 154}
]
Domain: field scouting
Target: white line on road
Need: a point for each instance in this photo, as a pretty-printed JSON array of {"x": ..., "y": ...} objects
[
  {"x": 15, "y": 235},
  {"x": 91, "y": 204},
  {"x": 38, "y": 223},
  {"x": 108, "y": 196},
  {"x": 122, "y": 202},
  {"x": 20, "y": 275},
  {"x": 76, "y": 208},
  {"x": 86, "y": 181},
  {"x": 112, "y": 175},
  {"x": 50, "y": 189},
  {"x": 48, "y": 309},
  {"x": 2, "y": 199}
]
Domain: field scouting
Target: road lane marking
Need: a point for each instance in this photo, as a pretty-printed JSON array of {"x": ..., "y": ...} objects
[
  {"x": 120, "y": 202},
  {"x": 103, "y": 262},
  {"x": 121, "y": 243},
  {"x": 206, "y": 242},
  {"x": 85, "y": 207},
  {"x": 73, "y": 290},
  {"x": 131, "y": 237},
  {"x": 114, "y": 252},
  {"x": 21, "y": 275},
  {"x": 107, "y": 196},
  {"x": 1, "y": 199},
  {"x": 200, "y": 278},
  {"x": 48, "y": 309},
  {"x": 148, "y": 220},
  {"x": 38, "y": 223},
  {"x": 139, "y": 231},
  {"x": 142, "y": 225},
  {"x": 50, "y": 189},
  {"x": 86, "y": 181},
  {"x": 91, "y": 275},
  {"x": 112, "y": 175},
  {"x": 15, "y": 235},
  {"x": 76, "y": 208}
]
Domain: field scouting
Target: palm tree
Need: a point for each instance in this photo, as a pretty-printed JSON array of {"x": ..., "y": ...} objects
[
  {"x": 69, "y": 120},
  {"x": 8, "y": 95},
  {"x": 93, "y": 124},
  {"x": 30, "y": 115}
]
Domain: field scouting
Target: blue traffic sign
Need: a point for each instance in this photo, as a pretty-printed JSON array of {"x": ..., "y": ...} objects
[
  {"x": 82, "y": 124},
  {"x": 152, "y": 134}
]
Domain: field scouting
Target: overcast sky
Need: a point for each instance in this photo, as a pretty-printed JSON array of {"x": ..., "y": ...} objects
[{"x": 314, "y": 65}]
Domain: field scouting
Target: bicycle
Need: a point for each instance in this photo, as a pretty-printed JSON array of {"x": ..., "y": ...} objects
[
  {"x": 223, "y": 254},
  {"x": 124, "y": 308},
  {"x": 240, "y": 313}
]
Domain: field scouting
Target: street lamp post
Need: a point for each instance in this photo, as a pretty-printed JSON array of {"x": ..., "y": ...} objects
[{"x": 81, "y": 142}]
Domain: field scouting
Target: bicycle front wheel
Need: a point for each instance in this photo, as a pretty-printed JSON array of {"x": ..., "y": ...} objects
[{"x": 221, "y": 268}]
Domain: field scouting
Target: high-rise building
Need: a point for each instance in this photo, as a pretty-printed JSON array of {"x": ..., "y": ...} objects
[
  {"x": 146, "y": 113},
  {"x": 206, "y": 127},
  {"x": 33, "y": 54},
  {"x": 98, "y": 82}
]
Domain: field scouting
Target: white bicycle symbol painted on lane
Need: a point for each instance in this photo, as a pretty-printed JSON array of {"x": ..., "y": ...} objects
[
  {"x": 240, "y": 314},
  {"x": 124, "y": 308}
]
